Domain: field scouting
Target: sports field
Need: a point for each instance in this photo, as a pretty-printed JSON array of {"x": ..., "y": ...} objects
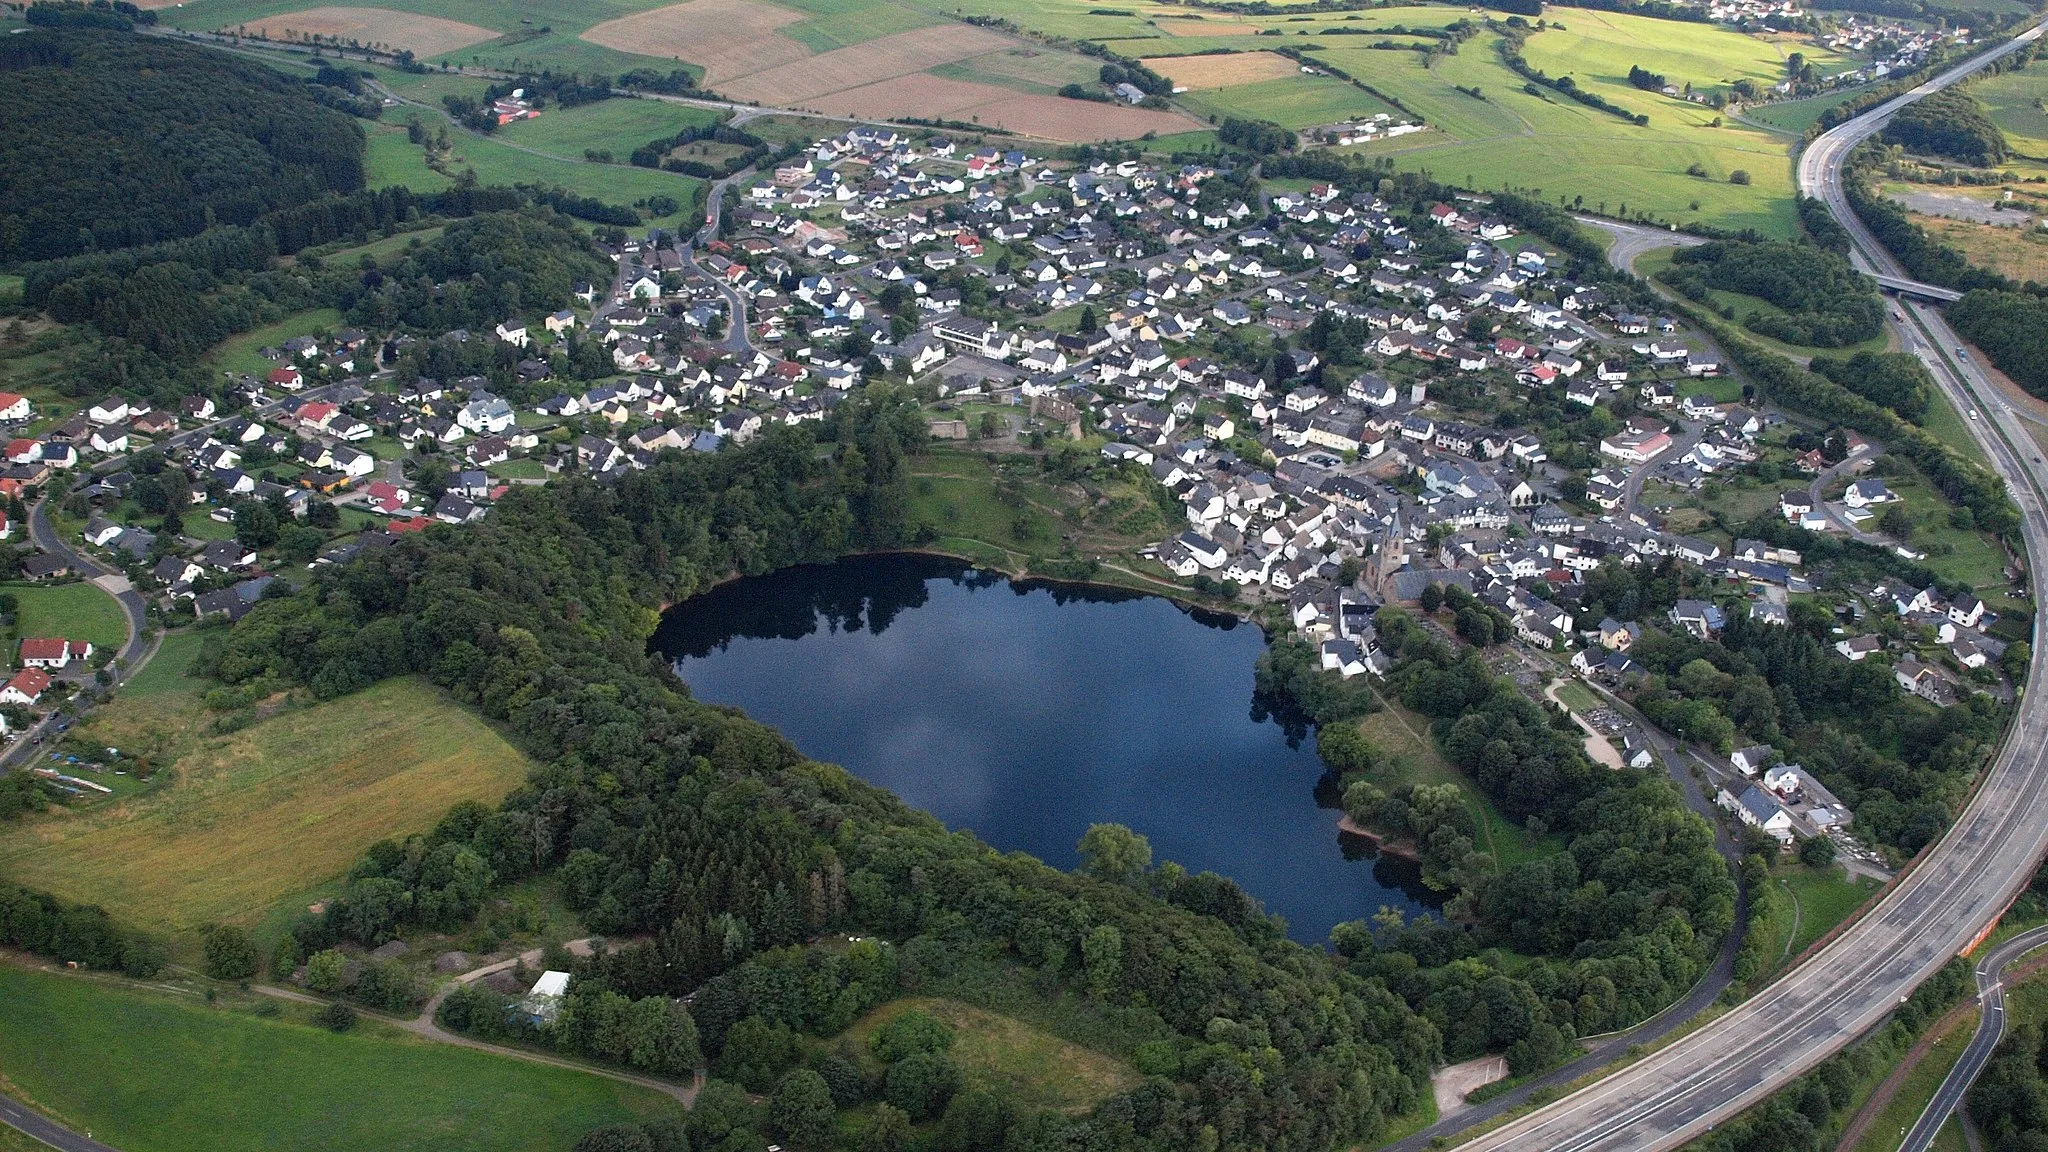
[
  {"x": 149, "y": 1071},
  {"x": 241, "y": 821}
]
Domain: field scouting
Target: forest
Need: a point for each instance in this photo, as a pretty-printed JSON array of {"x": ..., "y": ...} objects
[
  {"x": 2012, "y": 329},
  {"x": 2009, "y": 1101},
  {"x": 1827, "y": 303},
  {"x": 1949, "y": 123},
  {"x": 110, "y": 140}
]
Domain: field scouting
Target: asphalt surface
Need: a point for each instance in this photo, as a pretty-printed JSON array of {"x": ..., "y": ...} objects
[
  {"x": 48, "y": 1131},
  {"x": 1990, "y": 1030},
  {"x": 1934, "y": 912}
]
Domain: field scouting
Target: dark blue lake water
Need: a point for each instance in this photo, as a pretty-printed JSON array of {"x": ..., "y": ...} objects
[{"x": 1028, "y": 711}]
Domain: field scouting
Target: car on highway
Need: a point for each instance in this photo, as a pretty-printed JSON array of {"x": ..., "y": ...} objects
[
  {"x": 1973, "y": 413},
  {"x": 1961, "y": 354}
]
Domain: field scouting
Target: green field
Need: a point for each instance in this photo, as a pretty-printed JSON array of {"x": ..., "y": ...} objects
[
  {"x": 243, "y": 353},
  {"x": 1297, "y": 101},
  {"x": 170, "y": 670},
  {"x": 1004, "y": 1054},
  {"x": 79, "y": 611},
  {"x": 1825, "y": 898},
  {"x": 616, "y": 126},
  {"x": 236, "y": 823},
  {"x": 1795, "y": 115},
  {"x": 844, "y": 23},
  {"x": 152, "y": 1072},
  {"x": 389, "y": 158}
]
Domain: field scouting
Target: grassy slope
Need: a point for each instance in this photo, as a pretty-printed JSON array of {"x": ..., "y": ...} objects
[
  {"x": 79, "y": 611},
  {"x": 995, "y": 1051},
  {"x": 242, "y": 353},
  {"x": 246, "y": 820},
  {"x": 1407, "y": 755},
  {"x": 1826, "y": 898},
  {"x": 150, "y": 1073},
  {"x": 618, "y": 126}
]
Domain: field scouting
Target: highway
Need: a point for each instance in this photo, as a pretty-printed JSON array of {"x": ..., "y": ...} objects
[
  {"x": 1990, "y": 1030},
  {"x": 1934, "y": 911}
]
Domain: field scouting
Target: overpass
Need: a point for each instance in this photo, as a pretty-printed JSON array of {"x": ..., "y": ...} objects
[
  {"x": 1936, "y": 909},
  {"x": 1917, "y": 290}
]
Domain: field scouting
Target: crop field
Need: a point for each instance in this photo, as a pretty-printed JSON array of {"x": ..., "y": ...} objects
[
  {"x": 80, "y": 611},
  {"x": 726, "y": 38},
  {"x": 242, "y": 821},
  {"x": 899, "y": 55},
  {"x": 1197, "y": 72},
  {"x": 150, "y": 1071},
  {"x": 379, "y": 28},
  {"x": 1047, "y": 117},
  {"x": 1025, "y": 69},
  {"x": 616, "y": 126}
]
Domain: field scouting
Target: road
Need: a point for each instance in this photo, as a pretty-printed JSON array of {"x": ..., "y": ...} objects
[
  {"x": 1959, "y": 886},
  {"x": 40, "y": 1127},
  {"x": 1632, "y": 240},
  {"x": 1990, "y": 1030},
  {"x": 736, "y": 341}
]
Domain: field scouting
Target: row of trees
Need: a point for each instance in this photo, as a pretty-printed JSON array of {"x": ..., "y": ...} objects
[{"x": 2012, "y": 329}]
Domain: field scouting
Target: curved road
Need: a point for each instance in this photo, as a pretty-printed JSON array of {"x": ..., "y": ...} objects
[
  {"x": 1990, "y": 1030},
  {"x": 1934, "y": 912}
]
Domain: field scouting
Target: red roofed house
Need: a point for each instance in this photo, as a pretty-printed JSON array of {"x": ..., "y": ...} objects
[
  {"x": 53, "y": 652},
  {"x": 317, "y": 413},
  {"x": 15, "y": 407},
  {"x": 385, "y": 496},
  {"x": 412, "y": 524},
  {"x": 26, "y": 687},
  {"x": 287, "y": 378},
  {"x": 21, "y": 452}
]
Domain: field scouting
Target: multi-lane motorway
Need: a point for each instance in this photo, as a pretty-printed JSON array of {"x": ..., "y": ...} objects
[{"x": 1939, "y": 907}]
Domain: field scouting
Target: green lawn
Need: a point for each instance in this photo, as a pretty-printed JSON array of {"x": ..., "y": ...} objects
[
  {"x": 389, "y": 158},
  {"x": 1953, "y": 553},
  {"x": 1796, "y": 116},
  {"x": 169, "y": 671},
  {"x": 1825, "y": 897},
  {"x": 1407, "y": 755},
  {"x": 1577, "y": 696},
  {"x": 78, "y": 611},
  {"x": 1946, "y": 424},
  {"x": 1297, "y": 101},
  {"x": 241, "y": 353},
  {"x": 497, "y": 162},
  {"x": 617, "y": 126},
  {"x": 150, "y": 1072}
]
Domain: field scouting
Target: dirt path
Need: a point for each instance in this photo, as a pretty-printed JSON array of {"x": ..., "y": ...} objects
[
  {"x": 424, "y": 1026},
  {"x": 1797, "y": 914},
  {"x": 1866, "y": 1115},
  {"x": 1597, "y": 745}
]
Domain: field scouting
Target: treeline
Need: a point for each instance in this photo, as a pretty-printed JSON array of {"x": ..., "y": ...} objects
[
  {"x": 676, "y": 83},
  {"x": 1949, "y": 123},
  {"x": 1897, "y": 380},
  {"x": 566, "y": 89},
  {"x": 83, "y": 934},
  {"x": 1514, "y": 34},
  {"x": 1656, "y": 9},
  {"x": 109, "y": 140},
  {"x": 117, "y": 16},
  {"x": 1826, "y": 303},
  {"x": 1137, "y": 75},
  {"x": 1262, "y": 137},
  {"x": 2012, "y": 329},
  {"x": 655, "y": 153},
  {"x": 1645, "y": 79}
]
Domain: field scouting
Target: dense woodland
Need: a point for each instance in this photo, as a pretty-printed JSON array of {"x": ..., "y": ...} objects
[
  {"x": 2012, "y": 329},
  {"x": 1949, "y": 123},
  {"x": 110, "y": 140},
  {"x": 1827, "y": 303}
]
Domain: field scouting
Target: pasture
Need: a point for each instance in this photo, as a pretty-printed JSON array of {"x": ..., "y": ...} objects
[
  {"x": 1295, "y": 100},
  {"x": 235, "y": 823},
  {"x": 150, "y": 1071},
  {"x": 244, "y": 352},
  {"x": 616, "y": 126}
]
